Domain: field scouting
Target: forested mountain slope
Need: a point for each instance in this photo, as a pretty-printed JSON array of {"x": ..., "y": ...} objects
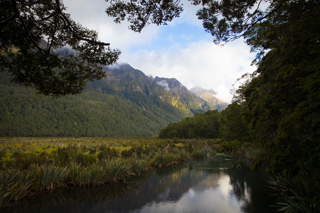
[
  {"x": 190, "y": 100},
  {"x": 101, "y": 110},
  {"x": 135, "y": 86},
  {"x": 125, "y": 103}
]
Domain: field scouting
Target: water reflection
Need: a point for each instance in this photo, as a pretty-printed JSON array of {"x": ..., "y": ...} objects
[{"x": 202, "y": 186}]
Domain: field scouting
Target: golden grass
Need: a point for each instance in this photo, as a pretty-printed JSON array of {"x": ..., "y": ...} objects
[
  {"x": 37, "y": 145},
  {"x": 37, "y": 164}
]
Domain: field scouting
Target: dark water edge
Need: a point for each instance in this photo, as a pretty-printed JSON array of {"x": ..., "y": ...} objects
[{"x": 214, "y": 185}]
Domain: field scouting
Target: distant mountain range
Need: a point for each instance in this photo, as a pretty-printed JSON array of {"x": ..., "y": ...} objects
[
  {"x": 209, "y": 97},
  {"x": 125, "y": 103},
  {"x": 197, "y": 99}
]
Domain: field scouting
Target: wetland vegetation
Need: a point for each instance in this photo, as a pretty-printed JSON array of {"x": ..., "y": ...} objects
[
  {"x": 31, "y": 165},
  {"x": 210, "y": 185},
  {"x": 274, "y": 117}
]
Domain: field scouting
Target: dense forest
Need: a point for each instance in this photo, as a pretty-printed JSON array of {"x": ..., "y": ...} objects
[
  {"x": 276, "y": 109},
  {"x": 98, "y": 111},
  {"x": 205, "y": 125}
]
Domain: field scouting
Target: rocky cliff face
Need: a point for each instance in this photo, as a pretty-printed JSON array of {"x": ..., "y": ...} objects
[
  {"x": 209, "y": 97},
  {"x": 197, "y": 99}
]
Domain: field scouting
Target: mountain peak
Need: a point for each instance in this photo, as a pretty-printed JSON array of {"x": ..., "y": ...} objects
[
  {"x": 209, "y": 96},
  {"x": 199, "y": 90},
  {"x": 163, "y": 83},
  {"x": 119, "y": 66},
  {"x": 168, "y": 83},
  {"x": 125, "y": 78}
]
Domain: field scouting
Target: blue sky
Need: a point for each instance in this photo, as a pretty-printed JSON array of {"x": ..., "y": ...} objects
[
  {"x": 180, "y": 34},
  {"x": 182, "y": 49}
]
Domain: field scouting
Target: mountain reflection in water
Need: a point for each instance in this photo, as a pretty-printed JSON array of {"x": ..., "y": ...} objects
[{"x": 203, "y": 186}]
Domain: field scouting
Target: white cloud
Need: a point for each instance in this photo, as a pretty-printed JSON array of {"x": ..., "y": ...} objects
[
  {"x": 188, "y": 15},
  {"x": 164, "y": 84},
  {"x": 91, "y": 14},
  {"x": 200, "y": 64}
]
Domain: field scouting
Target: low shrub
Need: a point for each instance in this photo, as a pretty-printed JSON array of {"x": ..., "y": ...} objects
[
  {"x": 229, "y": 146},
  {"x": 42, "y": 166}
]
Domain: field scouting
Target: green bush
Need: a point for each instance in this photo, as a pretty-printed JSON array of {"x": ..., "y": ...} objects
[
  {"x": 107, "y": 153},
  {"x": 229, "y": 146},
  {"x": 85, "y": 160}
]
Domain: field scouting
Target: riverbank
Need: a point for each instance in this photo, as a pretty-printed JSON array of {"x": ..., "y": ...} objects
[
  {"x": 203, "y": 185},
  {"x": 31, "y": 165}
]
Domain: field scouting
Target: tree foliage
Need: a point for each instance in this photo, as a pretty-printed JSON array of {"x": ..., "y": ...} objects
[
  {"x": 226, "y": 20},
  {"x": 204, "y": 125},
  {"x": 141, "y": 13},
  {"x": 99, "y": 111},
  {"x": 31, "y": 31},
  {"x": 234, "y": 126},
  {"x": 278, "y": 105}
]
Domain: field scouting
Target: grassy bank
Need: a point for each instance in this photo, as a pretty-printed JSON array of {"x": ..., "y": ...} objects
[{"x": 30, "y": 165}]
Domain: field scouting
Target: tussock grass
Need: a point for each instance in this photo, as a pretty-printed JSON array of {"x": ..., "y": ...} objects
[{"x": 30, "y": 165}]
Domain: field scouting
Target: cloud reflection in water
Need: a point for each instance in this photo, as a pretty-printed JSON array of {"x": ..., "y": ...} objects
[{"x": 200, "y": 187}]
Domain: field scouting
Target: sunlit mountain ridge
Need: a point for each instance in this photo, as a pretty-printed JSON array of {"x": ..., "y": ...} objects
[{"x": 125, "y": 103}]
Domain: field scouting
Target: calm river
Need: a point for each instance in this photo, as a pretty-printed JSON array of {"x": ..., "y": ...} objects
[{"x": 212, "y": 185}]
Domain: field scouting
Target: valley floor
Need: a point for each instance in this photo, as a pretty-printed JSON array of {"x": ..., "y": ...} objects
[{"x": 29, "y": 165}]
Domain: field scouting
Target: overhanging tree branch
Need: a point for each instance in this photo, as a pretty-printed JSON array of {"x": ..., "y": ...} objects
[{"x": 31, "y": 61}]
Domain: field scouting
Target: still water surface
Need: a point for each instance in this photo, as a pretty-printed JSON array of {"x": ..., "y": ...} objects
[{"x": 206, "y": 186}]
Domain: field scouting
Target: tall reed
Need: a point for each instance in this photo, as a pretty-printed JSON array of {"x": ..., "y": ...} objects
[
  {"x": 48, "y": 177},
  {"x": 14, "y": 186},
  {"x": 296, "y": 194},
  {"x": 42, "y": 164}
]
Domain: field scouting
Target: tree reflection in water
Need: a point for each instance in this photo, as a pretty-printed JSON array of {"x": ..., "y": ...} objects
[{"x": 211, "y": 185}]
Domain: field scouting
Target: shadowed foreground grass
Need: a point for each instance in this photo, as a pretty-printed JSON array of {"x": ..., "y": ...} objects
[{"x": 30, "y": 165}]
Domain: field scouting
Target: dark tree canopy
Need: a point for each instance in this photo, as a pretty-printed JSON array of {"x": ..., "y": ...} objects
[
  {"x": 141, "y": 13},
  {"x": 226, "y": 20},
  {"x": 280, "y": 104},
  {"x": 204, "y": 125},
  {"x": 277, "y": 109},
  {"x": 277, "y": 106},
  {"x": 30, "y": 31}
]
